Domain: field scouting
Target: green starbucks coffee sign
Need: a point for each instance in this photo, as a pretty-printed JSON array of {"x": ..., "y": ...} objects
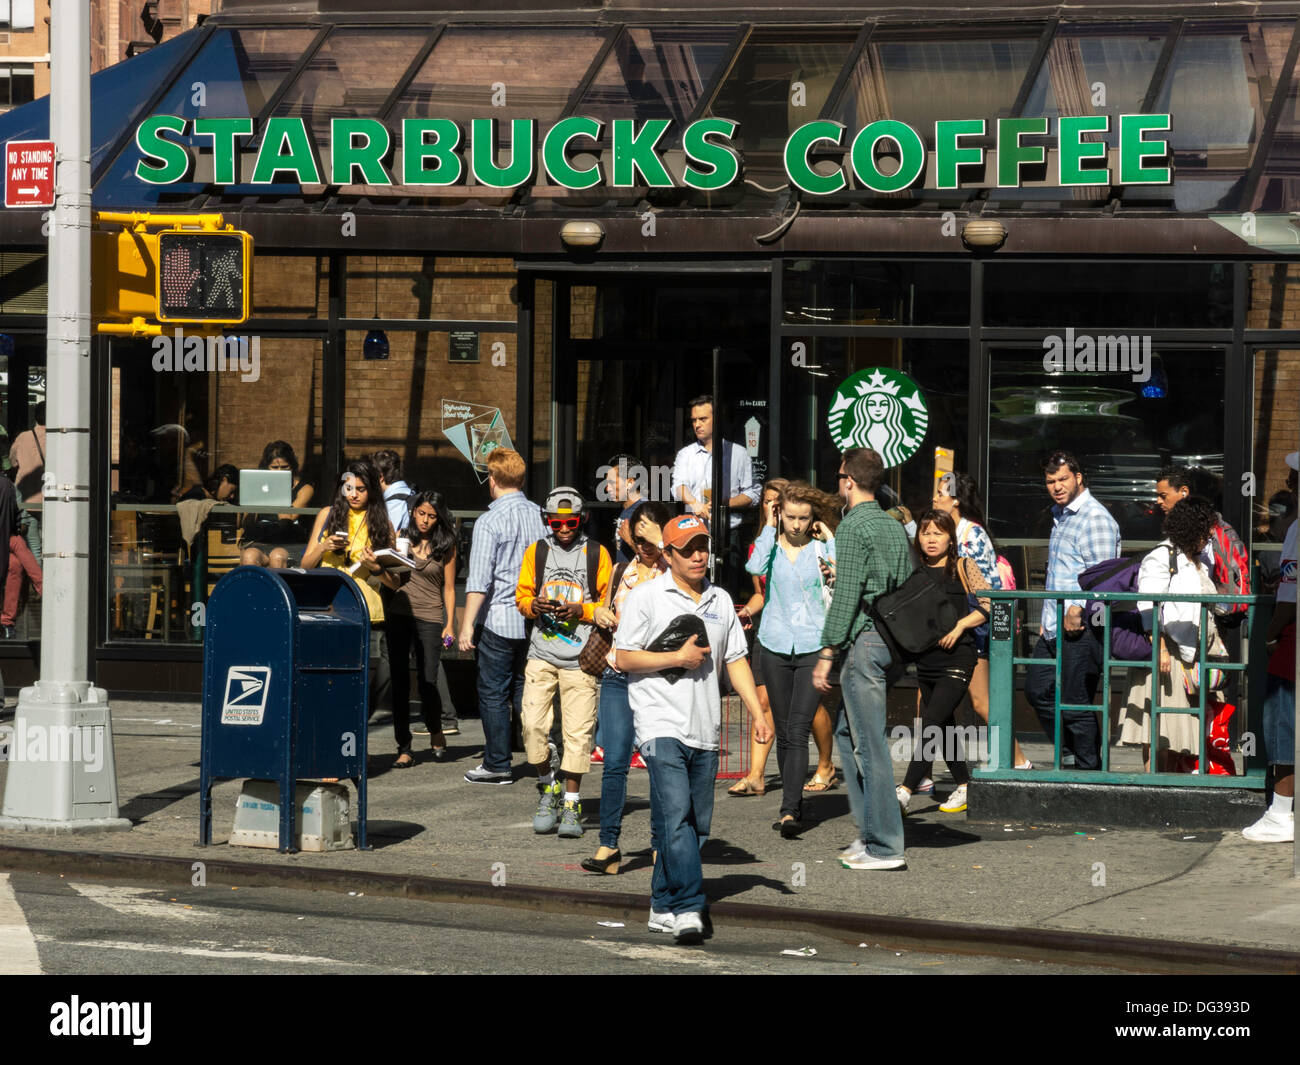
[{"x": 882, "y": 409}]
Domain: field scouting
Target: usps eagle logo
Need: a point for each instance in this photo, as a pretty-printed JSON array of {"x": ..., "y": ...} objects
[{"x": 245, "y": 698}]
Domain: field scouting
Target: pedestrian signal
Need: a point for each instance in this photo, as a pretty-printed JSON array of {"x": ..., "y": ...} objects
[{"x": 203, "y": 276}]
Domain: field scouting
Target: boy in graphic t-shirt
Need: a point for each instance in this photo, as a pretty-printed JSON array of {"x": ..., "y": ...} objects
[{"x": 557, "y": 597}]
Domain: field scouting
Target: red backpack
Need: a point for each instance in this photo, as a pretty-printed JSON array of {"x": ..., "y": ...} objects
[{"x": 1231, "y": 572}]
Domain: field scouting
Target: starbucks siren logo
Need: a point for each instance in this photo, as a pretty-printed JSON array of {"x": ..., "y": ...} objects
[{"x": 881, "y": 409}]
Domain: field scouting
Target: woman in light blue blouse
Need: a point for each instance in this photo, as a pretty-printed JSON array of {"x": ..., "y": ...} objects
[
  {"x": 790, "y": 630},
  {"x": 957, "y": 495}
]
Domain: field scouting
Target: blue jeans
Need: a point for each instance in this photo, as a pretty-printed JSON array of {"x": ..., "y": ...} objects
[
  {"x": 864, "y": 750},
  {"x": 500, "y": 687},
  {"x": 681, "y": 811},
  {"x": 614, "y": 722},
  {"x": 1279, "y": 720}
]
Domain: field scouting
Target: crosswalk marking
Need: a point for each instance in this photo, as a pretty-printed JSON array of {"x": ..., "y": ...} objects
[{"x": 18, "y": 955}]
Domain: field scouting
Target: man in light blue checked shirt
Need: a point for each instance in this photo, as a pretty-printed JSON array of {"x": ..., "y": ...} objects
[
  {"x": 1083, "y": 534},
  {"x": 497, "y": 548}
]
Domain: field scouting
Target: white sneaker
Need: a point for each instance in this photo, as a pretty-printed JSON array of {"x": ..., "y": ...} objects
[
  {"x": 853, "y": 850},
  {"x": 688, "y": 928},
  {"x": 867, "y": 860},
  {"x": 904, "y": 797},
  {"x": 661, "y": 922},
  {"x": 956, "y": 801},
  {"x": 1273, "y": 827},
  {"x": 926, "y": 787}
]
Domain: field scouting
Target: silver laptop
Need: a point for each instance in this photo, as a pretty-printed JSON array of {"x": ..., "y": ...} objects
[{"x": 266, "y": 488}]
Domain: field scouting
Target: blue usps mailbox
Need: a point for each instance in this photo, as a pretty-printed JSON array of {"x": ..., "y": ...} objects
[{"x": 285, "y": 671}]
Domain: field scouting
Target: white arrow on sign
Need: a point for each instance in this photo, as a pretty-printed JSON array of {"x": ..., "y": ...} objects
[{"x": 28, "y": 192}]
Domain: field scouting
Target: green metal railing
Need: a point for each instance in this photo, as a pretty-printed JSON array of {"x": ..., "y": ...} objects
[{"x": 1002, "y": 689}]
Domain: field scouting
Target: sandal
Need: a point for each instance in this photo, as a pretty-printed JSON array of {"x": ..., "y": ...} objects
[
  {"x": 817, "y": 784},
  {"x": 743, "y": 789},
  {"x": 399, "y": 764}
]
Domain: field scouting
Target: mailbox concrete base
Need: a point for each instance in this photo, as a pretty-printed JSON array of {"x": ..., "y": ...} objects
[{"x": 62, "y": 776}]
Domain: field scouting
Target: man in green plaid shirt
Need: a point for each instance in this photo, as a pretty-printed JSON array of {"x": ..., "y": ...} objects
[{"x": 872, "y": 557}]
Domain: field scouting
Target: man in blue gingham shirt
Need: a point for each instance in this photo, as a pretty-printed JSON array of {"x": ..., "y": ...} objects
[
  {"x": 497, "y": 545},
  {"x": 1083, "y": 534}
]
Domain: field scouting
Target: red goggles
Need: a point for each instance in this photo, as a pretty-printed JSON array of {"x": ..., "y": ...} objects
[{"x": 559, "y": 524}]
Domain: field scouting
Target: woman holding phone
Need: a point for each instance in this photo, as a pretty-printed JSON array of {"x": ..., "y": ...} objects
[
  {"x": 345, "y": 537},
  {"x": 789, "y": 635}
]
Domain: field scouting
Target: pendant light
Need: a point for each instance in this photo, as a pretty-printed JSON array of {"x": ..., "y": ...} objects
[{"x": 375, "y": 346}]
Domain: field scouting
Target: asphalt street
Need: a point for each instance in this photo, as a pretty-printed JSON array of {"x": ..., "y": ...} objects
[{"x": 57, "y": 926}]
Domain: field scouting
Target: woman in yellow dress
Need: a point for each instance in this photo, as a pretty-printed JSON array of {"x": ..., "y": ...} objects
[{"x": 345, "y": 537}]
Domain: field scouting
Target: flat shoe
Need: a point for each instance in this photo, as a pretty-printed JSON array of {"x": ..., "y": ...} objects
[
  {"x": 440, "y": 754},
  {"x": 743, "y": 789},
  {"x": 399, "y": 764},
  {"x": 608, "y": 865},
  {"x": 791, "y": 829}
]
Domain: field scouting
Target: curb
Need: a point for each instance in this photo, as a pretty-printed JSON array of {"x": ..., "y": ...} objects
[{"x": 946, "y": 937}]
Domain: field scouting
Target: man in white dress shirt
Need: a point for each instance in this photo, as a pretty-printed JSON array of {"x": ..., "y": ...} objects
[{"x": 693, "y": 468}]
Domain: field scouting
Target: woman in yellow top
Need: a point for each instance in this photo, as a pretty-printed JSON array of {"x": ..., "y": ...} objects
[{"x": 345, "y": 537}]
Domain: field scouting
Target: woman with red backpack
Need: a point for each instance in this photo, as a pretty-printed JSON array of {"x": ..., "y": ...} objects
[{"x": 957, "y": 495}]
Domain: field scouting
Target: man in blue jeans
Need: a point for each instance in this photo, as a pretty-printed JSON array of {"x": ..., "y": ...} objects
[
  {"x": 1083, "y": 534},
  {"x": 872, "y": 557},
  {"x": 497, "y": 548},
  {"x": 677, "y": 711}
]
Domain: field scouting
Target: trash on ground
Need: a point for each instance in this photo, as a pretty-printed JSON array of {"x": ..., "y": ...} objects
[
  {"x": 802, "y": 952},
  {"x": 611, "y": 924}
]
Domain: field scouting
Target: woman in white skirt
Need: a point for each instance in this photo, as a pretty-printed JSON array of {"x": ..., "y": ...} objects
[{"x": 1178, "y": 566}]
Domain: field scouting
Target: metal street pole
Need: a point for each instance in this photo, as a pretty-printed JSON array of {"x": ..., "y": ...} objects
[{"x": 62, "y": 775}]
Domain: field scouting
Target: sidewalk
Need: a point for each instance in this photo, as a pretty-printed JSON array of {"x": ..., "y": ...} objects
[{"x": 1158, "y": 882}]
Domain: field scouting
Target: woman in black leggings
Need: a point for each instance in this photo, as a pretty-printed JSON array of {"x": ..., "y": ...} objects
[{"x": 944, "y": 671}]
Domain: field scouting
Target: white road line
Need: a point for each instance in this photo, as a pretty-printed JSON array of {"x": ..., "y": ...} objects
[
  {"x": 134, "y": 902},
  {"x": 202, "y": 952},
  {"x": 18, "y": 955}
]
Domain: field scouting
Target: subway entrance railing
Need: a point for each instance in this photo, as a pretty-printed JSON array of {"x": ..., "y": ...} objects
[{"x": 1246, "y": 666}]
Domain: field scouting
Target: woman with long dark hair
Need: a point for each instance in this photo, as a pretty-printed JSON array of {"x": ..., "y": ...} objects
[
  {"x": 267, "y": 536},
  {"x": 420, "y": 615},
  {"x": 345, "y": 537},
  {"x": 958, "y": 496},
  {"x": 943, "y": 672}
]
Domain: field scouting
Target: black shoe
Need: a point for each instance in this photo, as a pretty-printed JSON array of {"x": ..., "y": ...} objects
[
  {"x": 440, "y": 754},
  {"x": 791, "y": 829},
  {"x": 6, "y": 632}
]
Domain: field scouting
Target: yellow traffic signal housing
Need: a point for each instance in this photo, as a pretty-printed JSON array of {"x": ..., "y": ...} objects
[{"x": 194, "y": 273}]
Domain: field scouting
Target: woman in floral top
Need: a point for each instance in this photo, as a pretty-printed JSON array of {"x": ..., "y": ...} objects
[
  {"x": 958, "y": 496},
  {"x": 615, "y": 712}
]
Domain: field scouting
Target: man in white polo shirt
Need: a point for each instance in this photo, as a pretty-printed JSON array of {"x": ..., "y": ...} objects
[{"x": 677, "y": 712}]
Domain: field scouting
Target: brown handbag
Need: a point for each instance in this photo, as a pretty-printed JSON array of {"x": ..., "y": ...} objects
[{"x": 591, "y": 659}]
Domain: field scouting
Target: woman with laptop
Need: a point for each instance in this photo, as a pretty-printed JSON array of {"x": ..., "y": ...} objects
[{"x": 271, "y": 539}]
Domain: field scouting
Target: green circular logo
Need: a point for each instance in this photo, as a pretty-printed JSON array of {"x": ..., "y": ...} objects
[{"x": 881, "y": 409}]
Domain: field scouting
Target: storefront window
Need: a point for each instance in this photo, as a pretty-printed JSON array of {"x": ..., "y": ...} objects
[
  {"x": 940, "y": 369},
  {"x": 1123, "y": 425},
  {"x": 290, "y": 286},
  {"x": 442, "y": 400},
  {"x": 1121, "y": 295},
  {"x": 178, "y": 435},
  {"x": 884, "y": 292},
  {"x": 1276, "y": 434},
  {"x": 428, "y": 287}
]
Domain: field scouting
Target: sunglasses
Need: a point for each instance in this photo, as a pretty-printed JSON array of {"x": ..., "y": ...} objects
[{"x": 559, "y": 524}]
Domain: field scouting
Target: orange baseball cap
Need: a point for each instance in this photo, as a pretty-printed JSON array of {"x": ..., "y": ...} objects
[{"x": 682, "y": 530}]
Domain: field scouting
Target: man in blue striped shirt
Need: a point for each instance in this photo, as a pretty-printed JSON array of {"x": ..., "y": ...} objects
[
  {"x": 1083, "y": 534},
  {"x": 497, "y": 548}
]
